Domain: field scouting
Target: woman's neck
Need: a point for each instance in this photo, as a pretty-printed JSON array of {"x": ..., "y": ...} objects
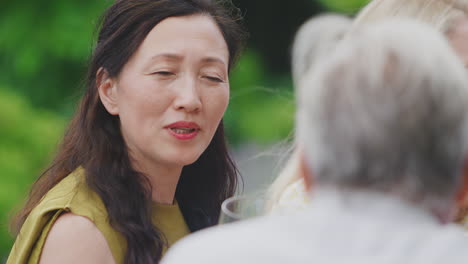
[{"x": 163, "y": 181}]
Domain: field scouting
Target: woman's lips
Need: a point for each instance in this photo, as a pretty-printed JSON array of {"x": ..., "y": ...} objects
[
  {"x": 183, "y": 136},
  {"x": 183, "y": 130}
]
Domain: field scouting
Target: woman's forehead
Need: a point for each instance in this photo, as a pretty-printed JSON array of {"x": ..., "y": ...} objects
[{"x": 176, "y": 35}]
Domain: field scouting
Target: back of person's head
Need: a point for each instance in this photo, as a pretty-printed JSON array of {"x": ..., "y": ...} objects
[
  {"x": 440, "y": 14},
  {"x": 387, "y": 112},
  {"x": 315, "y": 39}
]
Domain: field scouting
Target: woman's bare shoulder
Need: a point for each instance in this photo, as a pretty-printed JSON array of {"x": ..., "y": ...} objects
[{"x": 75, "y": 239}]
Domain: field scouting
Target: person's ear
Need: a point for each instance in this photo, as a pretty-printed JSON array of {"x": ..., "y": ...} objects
[
  {"x": 305, "y": 172},
  {"x": 462, "y": 195},
  {"x": 107, "y": 89},
  {"x": 458, "y": 37}
]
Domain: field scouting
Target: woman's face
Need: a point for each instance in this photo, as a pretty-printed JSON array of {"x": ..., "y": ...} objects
[
  {"x": 458, "y": 37},
  {"x": 173, "y": 92}
]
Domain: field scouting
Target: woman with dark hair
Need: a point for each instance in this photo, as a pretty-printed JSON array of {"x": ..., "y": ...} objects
[{"x": 144, "y": 161}]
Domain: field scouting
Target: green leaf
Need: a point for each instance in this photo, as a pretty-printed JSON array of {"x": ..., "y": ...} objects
[{"x": 344, "y": 6}]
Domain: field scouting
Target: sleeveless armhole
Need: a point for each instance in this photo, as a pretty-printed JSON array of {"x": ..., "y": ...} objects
[{"x": 37, "y": 249}]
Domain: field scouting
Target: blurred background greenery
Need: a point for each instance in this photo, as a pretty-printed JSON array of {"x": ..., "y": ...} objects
[{"x": 43, "y": 55}]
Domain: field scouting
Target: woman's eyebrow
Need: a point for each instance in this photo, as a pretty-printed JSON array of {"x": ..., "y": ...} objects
[
  {"x": 176, "y": 57},
  {"x": 168, "y": 56},
  {"x": 214, "y": 60}
]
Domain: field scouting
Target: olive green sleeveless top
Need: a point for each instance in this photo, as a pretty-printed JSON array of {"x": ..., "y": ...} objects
[{"x": 73, "y": 195}]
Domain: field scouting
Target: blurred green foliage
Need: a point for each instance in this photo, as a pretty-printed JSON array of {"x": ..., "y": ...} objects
[
  {"x": 43, "y": 56},
  {"x": 44, "y": 48},
  {"x": 27, "y": 139},
  {"x": 261, "y": 106},
  {"x": 344, "y": 6}
]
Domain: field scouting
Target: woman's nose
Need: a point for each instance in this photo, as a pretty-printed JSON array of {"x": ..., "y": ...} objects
[{"x": 188, "y": 97}]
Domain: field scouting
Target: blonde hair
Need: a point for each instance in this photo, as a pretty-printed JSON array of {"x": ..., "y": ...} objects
[
  {"x": 287, "y": 176},
  {"x": 314, "y": 40},
  {"x": 440, "y": 14}
]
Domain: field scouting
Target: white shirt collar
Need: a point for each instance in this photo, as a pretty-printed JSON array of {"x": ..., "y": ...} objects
[{"x": 383, "y": 206}]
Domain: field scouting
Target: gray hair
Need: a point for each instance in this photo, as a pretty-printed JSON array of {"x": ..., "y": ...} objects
[
  {"x": 315, "y": 39},
  {"x": 388, "y": 112},
  {"x": 440, "y": 14}
]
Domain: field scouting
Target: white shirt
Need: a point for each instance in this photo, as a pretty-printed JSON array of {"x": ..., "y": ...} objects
[{"x": 358, "y": 228}]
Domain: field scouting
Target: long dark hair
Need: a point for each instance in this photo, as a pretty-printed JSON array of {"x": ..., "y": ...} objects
[{"x": 94, "y": 141}]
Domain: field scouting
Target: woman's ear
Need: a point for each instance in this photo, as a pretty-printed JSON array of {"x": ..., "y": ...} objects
[
  {"x": 458, "y": 37},
  {"x": 107, "y": 90}
]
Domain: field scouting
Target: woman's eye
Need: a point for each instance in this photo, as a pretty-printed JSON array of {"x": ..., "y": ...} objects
[
  {"x": 214, "y": 79},
  {"x": 164, "y": 73}
]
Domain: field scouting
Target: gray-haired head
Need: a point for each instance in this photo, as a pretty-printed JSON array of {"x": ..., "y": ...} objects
[
  {"x": 314, "y": 40},
  {"x": 440, "y": 14},
  {"x": 388, "y": 112}
]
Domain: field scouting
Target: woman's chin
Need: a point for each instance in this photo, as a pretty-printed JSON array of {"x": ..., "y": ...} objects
[{"x": 186, "y": 160}]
